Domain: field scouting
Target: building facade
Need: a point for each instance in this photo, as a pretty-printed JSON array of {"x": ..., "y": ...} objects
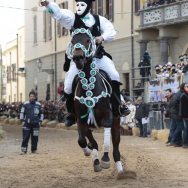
[
  {"x": 13, "y": 69},
  {"x": 163, "y": 31}
]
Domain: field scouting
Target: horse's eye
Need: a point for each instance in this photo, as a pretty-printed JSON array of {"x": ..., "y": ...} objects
[{"x": 88, "y": 41}]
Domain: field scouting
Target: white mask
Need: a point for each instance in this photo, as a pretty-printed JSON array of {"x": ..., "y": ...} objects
[{"x": 80, "y": 7}]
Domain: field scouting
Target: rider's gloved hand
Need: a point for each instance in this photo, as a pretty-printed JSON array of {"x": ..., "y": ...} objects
[
  {"x": 99, "y": 40},
  {"x": 44, "y": 3}
]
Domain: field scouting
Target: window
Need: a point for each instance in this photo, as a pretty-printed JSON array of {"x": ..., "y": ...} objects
[
  {"x": 8, "y": 74},
  {"x": 137, "y": 7},
  {"x": 21, "y": 97},
  {"x": 14, "y": 97},
  {"x": 61, "y": 31},
  {"x": 47, "y": 20},
  {"x": 94, "y": 7},
  {"x": 104, "y": 8},
  {"x": 100, "y": 7},
  {"x": 20, "y": 46},
  {"x": 34, "y": 29},
  {"x": 14, "y": 72},
  {"x": 109, "y": 10}
]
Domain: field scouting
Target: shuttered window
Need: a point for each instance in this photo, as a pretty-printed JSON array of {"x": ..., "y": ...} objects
[
  {"x": 47, "y": 20},
  {"x": 109, "y": 10},
  {"x": 34, "y": 29},
  {"x": 100, "y": 7}
]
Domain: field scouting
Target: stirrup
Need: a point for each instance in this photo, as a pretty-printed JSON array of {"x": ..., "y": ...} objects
[
  {"x": 124, "y": 110},
  {"x": 69, "y": 120}
]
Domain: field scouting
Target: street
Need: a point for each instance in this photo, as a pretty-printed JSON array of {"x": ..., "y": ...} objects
[{"x": 60, "y": 163}]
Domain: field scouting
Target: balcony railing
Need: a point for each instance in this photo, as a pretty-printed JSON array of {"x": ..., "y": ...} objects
[{"x": 164, "y": 15}]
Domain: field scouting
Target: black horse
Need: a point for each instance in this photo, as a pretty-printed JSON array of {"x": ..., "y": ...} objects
[{"x": 92, "y": 102}]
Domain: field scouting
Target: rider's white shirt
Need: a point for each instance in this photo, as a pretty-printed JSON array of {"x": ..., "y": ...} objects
[{"x": 66, "y": 18}]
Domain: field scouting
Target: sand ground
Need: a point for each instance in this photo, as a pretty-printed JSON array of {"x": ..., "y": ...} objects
[{"x": 60, "y": 163}]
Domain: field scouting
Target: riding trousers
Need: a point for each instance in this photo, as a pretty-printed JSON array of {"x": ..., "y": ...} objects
[{"x": 104, "y": 64}]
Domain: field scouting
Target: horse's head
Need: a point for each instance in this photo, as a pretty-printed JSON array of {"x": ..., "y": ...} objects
[{"x": 82, "y": 47}]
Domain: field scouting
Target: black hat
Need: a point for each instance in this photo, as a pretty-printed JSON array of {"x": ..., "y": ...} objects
[{"x": 89, "y": 3}]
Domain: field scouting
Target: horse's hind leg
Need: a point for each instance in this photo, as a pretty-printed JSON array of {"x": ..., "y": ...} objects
[
  {"x": 115, "y": 141},
  {"x": 94, "y": 153},
  {"x": 105, "y": 160}
]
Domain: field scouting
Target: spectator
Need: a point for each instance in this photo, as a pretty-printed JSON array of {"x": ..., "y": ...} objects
[
  {"x": 177, "y": 122},
  {"x": 145, "y": 67},
  {"x": 138, "y": 89},
  {"x": 130, "y": 118},
  {"x": 142, "y": 113},
  {"x": 169, "y": 95},
  {"x": 31, "y": 114},
  {"x": 184, "y": 113},
  {"x": 60, "y": 89}
]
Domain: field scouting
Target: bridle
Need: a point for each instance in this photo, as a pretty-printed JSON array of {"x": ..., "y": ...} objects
[{"x": 88, "y": 52}]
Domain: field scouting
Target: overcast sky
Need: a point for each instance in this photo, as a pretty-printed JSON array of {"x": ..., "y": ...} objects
[{"x": 10, "y": 18}]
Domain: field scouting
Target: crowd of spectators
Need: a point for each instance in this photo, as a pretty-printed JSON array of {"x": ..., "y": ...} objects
[
  {"x": 53, "y": 110},
  {"x": 172, "y": 70},
  {"x": 154, "y": 3}
]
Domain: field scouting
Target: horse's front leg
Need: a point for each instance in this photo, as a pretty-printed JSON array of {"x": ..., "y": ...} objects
[
  {"x": 83, "y": 132},
  {"x": 115, "y": 141},
  {"x": 94, "y": 153},
  {"x": 105, "y": 160},
  {"x": 107, "y": 123}
]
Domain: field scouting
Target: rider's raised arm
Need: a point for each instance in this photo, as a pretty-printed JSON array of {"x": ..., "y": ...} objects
[
  {"x": 64, "y": 16},
  {"x": 107, "y": 29}
]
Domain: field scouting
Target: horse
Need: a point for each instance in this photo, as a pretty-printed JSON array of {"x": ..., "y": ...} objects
[{"x": 92, "y": 103}]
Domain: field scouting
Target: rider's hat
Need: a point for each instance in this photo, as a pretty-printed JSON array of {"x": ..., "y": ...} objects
[{"x": 88, "y": 2}]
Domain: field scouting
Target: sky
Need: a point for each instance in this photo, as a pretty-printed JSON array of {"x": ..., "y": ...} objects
[{"x": 10, "y": 18}]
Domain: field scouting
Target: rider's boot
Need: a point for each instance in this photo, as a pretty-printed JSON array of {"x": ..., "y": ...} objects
[
  {"x": 70, "y": 117},
  {"x": 117, "y": 108}
]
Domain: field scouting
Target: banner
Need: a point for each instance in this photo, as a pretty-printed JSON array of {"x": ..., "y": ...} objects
[{"x": 157, "y": 88}]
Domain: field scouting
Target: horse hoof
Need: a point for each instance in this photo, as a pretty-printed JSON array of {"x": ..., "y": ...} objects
[
  {"x": 105, "y": 164},
  {"x": 126, "y": 175},
  {"x": 97, "y": 168},
  {"x": 87, "y": 154}
]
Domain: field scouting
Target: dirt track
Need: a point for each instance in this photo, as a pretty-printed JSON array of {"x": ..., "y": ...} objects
[{"x": 61, "y": 163}]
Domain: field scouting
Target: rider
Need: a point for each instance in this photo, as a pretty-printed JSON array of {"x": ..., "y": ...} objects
[{"x": 103, "y": 30}]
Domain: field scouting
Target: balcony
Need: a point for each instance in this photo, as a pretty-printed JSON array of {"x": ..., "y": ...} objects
[{"x": 164, "y": 15}]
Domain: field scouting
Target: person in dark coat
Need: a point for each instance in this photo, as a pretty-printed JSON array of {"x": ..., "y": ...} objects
[
  {"x": 142, "y": 111},
  {"x": 145, "y": 67},
  {"x": 169, "y": 96},
  {"x": 184, "y": 113},
  {"x": 31, "y": 114},
  {"x": 177, "y": 121}
]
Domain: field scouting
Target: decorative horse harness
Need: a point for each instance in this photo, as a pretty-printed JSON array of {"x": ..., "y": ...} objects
[{"x": 89, "y": 84}]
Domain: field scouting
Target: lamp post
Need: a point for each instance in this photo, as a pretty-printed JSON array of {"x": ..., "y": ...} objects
[{"x": 17, "y": 66}]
